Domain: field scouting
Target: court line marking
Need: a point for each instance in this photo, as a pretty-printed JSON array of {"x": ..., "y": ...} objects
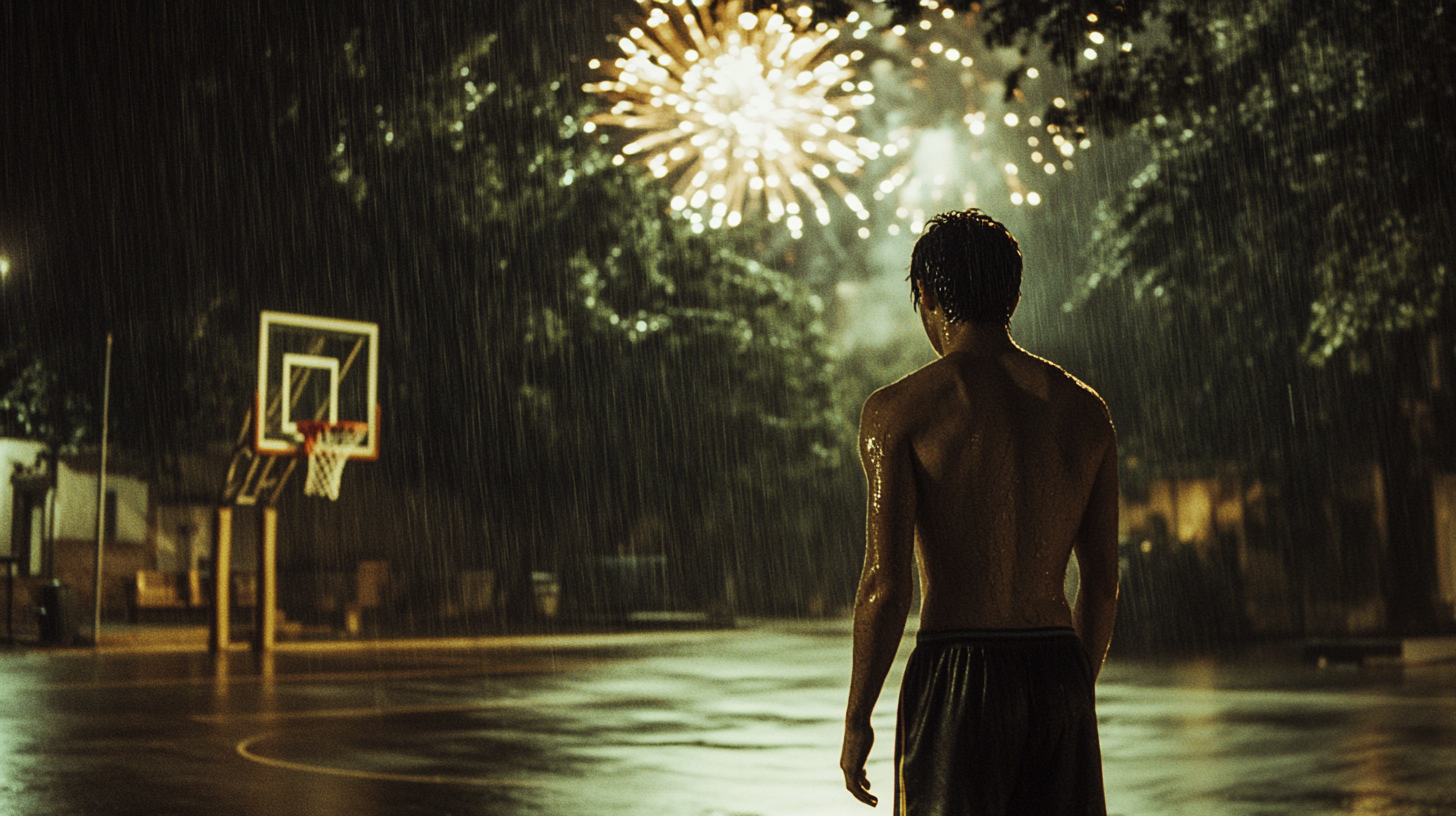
[
  {"x": 113, "y": 643},
  {"x": 543, "y": 642},
  {"x": 539, "y": 667},
  {"x": 245, "y": 750},
  {"x": 346, "y": 713}
]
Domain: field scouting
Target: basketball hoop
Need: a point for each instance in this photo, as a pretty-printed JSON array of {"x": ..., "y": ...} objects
[{"x": 328, "y": 446}]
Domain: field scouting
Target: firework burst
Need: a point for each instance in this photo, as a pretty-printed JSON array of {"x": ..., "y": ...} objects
[
  {"x": 747, "y": 112},
  {"x": 1006, "y": 135}
]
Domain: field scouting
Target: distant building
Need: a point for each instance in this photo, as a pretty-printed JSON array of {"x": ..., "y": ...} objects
[
  {"x": 1320, "y": 568},
  {"x": 48, "y": 527},
  {"x": 22, "y": 519}
]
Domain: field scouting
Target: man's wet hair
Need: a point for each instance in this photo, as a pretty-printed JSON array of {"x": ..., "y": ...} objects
[{"x": 973, "y": 265}]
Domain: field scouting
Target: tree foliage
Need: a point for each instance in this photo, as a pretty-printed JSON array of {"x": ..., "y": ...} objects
[
  {"x": 568, "y": 351},
  {"x": 1300, "y": 142},
  {"x": 37, "y": 404},
  {"x": 1301, "y": 154},
  {"x": 559, "y": 352}
]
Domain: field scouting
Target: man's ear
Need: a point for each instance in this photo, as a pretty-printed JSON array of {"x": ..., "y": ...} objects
[{"x": 928, "y": 301}]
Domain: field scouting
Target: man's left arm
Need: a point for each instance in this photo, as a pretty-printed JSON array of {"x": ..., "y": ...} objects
[
  {"x": 1096, "y": 548},
  {"x": 882, "y": 603}
]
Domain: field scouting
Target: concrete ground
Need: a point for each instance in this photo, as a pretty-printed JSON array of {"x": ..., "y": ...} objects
[{"x": 711, "y": 723}]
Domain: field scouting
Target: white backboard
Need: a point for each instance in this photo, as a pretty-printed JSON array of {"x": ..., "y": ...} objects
[{"x": 315, "y": 368}]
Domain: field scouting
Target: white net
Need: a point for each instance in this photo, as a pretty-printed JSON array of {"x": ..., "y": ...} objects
[{"x": 328, "y": 449}]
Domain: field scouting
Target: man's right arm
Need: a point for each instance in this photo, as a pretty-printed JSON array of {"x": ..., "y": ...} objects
[
  {"x": 1096, "y": 548},
  {"x": 883, "y": 601}
]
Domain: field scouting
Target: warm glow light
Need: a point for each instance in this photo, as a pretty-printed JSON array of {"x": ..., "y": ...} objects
[
  {"x": 4, "y": 266},
  {"x": 732, "y": 104}
]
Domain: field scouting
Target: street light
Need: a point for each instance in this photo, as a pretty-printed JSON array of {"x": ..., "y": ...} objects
[{"x": 4, "y": 267}]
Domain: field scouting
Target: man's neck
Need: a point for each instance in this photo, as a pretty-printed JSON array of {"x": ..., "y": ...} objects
[{"x": 977, "y": 339}]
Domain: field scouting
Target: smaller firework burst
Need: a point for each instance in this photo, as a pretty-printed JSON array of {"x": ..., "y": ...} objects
[
  {"x": 947, "y": 163},
  {"x": 747, "y": 112}
]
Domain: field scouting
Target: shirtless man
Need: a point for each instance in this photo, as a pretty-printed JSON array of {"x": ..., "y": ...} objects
[{"x": 992, "y": 466}]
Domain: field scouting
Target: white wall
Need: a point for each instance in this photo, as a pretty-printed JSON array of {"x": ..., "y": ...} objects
[
  {"x": 184, "y": 535},
  {"x": 76, "y": 506},
  {"x": 13, "y": 452}
]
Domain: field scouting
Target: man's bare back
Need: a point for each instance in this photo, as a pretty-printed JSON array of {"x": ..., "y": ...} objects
[
  {"x": 992, "y": 466},
  {"x": 1005, "y": 449}
]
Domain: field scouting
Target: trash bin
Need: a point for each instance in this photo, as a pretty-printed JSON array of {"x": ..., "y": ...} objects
[{"x": 57, "y": 614}]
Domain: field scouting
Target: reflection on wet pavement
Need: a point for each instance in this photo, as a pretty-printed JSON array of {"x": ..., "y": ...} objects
[{"x": 731, "y": 722}]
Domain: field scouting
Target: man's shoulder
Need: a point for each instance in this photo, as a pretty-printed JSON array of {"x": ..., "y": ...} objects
[
  {"x": 1068, "y": 387},
  {"x": 886, "y": 403},
  {"x": 893, "y": 409},
  {"x": 909, "y": 392},
  {"x": 1083, "y": 409}
]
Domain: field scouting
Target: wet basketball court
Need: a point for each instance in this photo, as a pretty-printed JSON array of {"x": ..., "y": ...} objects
[{"x": 743, "y": 721}]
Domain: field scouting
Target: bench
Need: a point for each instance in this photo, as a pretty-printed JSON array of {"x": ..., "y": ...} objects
[{"x": 183, "y": 593}]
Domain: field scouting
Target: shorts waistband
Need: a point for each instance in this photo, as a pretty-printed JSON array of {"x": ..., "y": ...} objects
[{"x": 983, "y": 635}]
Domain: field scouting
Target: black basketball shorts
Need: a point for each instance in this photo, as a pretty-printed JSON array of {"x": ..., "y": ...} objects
[{"x": 998, "y": 722}]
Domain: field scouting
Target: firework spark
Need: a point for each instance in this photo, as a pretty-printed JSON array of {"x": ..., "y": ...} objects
[
  {"x": 748, "y": 112},
  {"x": 942, "y": 41}
]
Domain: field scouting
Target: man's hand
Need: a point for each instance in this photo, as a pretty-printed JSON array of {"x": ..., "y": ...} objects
[{"x": 852, "y": 758}]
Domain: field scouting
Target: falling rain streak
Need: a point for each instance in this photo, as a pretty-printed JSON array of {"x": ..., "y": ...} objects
[{"x": 635, "y": 268}]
